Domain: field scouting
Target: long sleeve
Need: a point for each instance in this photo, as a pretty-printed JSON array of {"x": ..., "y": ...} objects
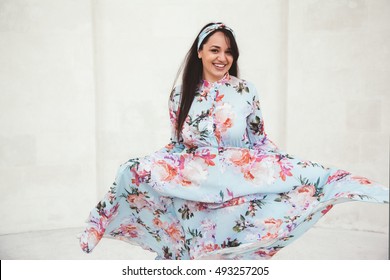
[
  {"x": 175, "y": 145},
  {"x": 255, "y": 125}
]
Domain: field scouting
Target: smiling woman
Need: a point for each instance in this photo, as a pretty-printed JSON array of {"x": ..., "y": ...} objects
[{"x": 221, "y": 188}]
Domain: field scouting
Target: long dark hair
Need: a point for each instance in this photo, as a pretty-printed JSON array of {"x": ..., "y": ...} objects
[{"x": 193, "y": 70}]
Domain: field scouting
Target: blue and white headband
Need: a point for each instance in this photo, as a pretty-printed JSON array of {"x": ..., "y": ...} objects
[{"x": 210, "y": 29}]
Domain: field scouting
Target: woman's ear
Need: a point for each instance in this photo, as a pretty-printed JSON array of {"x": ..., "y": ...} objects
[{"x": 200, "y": 54}]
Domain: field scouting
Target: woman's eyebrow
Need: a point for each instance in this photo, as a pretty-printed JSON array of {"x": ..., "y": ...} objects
[{"x": 218, "y": 47}]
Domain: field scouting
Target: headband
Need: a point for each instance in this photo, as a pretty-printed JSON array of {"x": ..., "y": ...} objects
[{"x": 205, "y": 32}]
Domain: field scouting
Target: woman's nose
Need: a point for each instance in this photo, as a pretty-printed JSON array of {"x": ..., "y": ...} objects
[{"x": 222, "y": 57}]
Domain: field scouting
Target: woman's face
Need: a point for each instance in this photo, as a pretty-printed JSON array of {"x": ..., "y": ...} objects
[{"x": 216, "y": 57}]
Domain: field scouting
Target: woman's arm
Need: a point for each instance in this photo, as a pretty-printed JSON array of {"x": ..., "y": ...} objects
[
  {"x": 175, "y": 145},
  {"x": 255, "y": 125}
]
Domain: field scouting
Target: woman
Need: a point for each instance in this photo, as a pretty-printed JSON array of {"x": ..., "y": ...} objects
[{"x": 221, "y": 187}]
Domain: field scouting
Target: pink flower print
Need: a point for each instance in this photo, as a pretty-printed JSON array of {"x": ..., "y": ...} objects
[
  {"x": 309, "y": 190},
  {"x": 302, "y": 197},
  {"x": 205, "y": 92},
  {"x": 138, "y": 176},
  {"x": 218, "y": 135},
  {"x": 208, "y": 226},
  {"x": 272, "y": 227},
  {"x": 361, "y": 180},
  {"x": 189, "y": 137},
  {"x": 248, "y": 175},
  {"x": 158, "y": 223},
  {"x": 136, "y": 200},
  {"x": 341, "y": 194},
  {"x": 163, "y": 171},
  {"x": 129, "y": 230},
  {"x": 235, "y": 201},
  {"x": 172, "y": 116},
  {"x": 218, "y": 96},
  {"x": 136, "y": 179},
  {"x": 240, "y": 157},
  {"x": 201, "y": 206},
  {"x": 209, "y": 247},
  {"x": 224, "y": 119},
  {"x": 207, "y": 157},
  {"x": 285, "y": 167},
  {"x": 94, "y": 235},
  {"x": 272, "y": 223},
  {"x": 262, "y": 172},
  {"x": 230, "y": 193},
  {"x": 84, "y": 246},
  {"x": 326, "y": 210},
  {"x": 110, "y": 197},
  {"x": 255, "y": 105},
  {"x": 340, "y": 174},
  {"x": 184, "y": 182},
  {"x": 170, "y": 146},
  {"x": 174, "y": 232},
  {"x": 267, "y": 253},
  {"x": 105, "y": 214},
  {"x": 194, "y": 172},
  {"x": 251, "y": 208}
]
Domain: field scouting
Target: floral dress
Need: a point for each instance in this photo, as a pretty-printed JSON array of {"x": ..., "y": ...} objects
[{"x": 222, "y": 188}]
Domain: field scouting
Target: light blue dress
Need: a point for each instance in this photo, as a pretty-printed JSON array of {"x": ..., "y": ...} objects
[{"x": 222, "y": 188}]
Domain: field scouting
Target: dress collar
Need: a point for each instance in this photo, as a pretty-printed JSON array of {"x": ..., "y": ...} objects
[{"x": 224, "y": 80}]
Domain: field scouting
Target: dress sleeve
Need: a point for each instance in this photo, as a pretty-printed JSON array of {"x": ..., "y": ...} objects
[
  {"x": 255, "y": 125},
  {"x": 175, "y": 145}
]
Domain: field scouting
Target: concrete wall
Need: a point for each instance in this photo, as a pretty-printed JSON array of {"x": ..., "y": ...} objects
[
  {"x": 338, "y": 93},
  {"x": 84, "y": 86},
  {"x": 47, "y": 109}
]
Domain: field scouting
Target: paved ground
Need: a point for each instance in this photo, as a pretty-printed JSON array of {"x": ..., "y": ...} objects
[{"x": 317, "y": 244}]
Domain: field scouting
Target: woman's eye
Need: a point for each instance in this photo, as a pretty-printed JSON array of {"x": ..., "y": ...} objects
[{"x": 214, "y": 50}]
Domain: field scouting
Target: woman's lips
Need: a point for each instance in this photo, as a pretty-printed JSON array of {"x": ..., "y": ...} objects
[{"x": 219, "y": 66}]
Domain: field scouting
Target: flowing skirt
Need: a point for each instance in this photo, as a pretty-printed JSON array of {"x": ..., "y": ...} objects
[{"x": 235, "y": 202}]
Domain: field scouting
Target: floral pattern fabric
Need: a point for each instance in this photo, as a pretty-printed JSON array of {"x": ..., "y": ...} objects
[{"x": 222, "y": 188}]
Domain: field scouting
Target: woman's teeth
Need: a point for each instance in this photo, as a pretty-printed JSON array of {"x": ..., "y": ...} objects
[{"x": 219, "y": 65}]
